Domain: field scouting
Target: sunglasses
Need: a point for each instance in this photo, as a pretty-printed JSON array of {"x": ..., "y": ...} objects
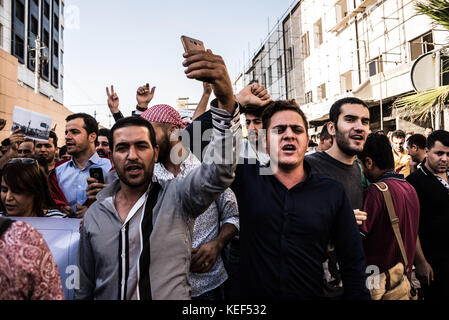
[{"x": 24, "y": 161}]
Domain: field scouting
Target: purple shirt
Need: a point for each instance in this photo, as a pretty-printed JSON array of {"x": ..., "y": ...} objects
[{"x": 381, "y": 248}]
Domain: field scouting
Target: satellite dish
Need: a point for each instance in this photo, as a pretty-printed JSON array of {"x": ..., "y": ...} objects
[{"x": 424, "y": 70}]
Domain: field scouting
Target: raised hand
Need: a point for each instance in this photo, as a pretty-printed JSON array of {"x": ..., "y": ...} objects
[
  {"x": 253, "y": 94},
  {"x": 113, "y": 100},
  {"x": 144, "y": 96},
  {"x": 208, "y": 67}
]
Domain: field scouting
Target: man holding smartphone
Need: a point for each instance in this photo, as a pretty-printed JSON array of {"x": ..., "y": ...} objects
[
  {"x": 69, "y": 178},
  {"x": 139, "y": 216}
]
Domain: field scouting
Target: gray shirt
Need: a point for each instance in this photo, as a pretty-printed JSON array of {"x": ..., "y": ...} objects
[
  {"x": 350, "y": 176},
  {"x": 112, "y": 253}
]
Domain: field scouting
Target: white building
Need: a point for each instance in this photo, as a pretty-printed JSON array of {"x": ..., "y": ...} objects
[
  {"x": 21, "y": 22},
  {"x": 331, "y": 49}
]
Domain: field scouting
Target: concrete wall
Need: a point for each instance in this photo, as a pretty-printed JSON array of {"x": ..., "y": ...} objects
[{"x": 12, "y": 94}]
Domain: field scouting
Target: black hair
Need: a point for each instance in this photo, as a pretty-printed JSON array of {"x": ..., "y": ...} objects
[
  {"x": 90, "y": 124},
  {"x": 378, "y": 148},
  {"x": 439, "y": 135},
  {"x": 62, "y": 151},
  {"x": 312, "y": 144},
  {"x": 253, "y": 110},
  {"x": 282, "y": 105},
  {"x": 335, "y": 110},
  {"x": 418, "y": 140},
  {"x": 55, "y": 138},
  {"x": 398, "y": 134},
  {"x": 103, "y": 132},
  {"x": 324, "y": 134},
  {"x": 129, "y": 122}
]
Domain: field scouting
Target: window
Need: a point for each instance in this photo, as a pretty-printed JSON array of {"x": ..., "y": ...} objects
[
  {"x": 55, "y": 77},
  {"x": 321, "y": 92},
  {"x": 47, "y": 9},
  {"x": 346, "y": 82},
  {"x": 34, "y": 25},
  {"x": 1, "y": 35},
  {"x": 20, "y": 11},
  {"x": 305, "y": 45},
  {"x": 46, "y": 38},
  {"x": 279, "y": 65},
  {"x": 375, "y": 66},
  {"x": 421, "y": 45},
  {"x": 61, "y": 59},
  {"x": 19, "y": 47},
  {"x": 318, "y": 33},
  {"x": 308, "y": 97},
  {"x": 290, "y": 62},
  {"x": 56, "y": 21},
  {"x": 62, "y": 32},
  {"x": 55, "y": 49},
  {"x": 61, "y": 83},
  {"x": 270, "y": 77},
  {"x": 1, "y": 3},
  {"x": 341, "y": 10}
]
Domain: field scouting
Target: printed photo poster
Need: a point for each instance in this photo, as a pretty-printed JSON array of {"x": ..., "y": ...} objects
[{"x": 35, "y": 125}]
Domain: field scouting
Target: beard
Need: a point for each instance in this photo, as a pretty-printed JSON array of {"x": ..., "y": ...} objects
[
  {"x": 101, "y": 153},
  {"x": 164, "y": 149},
  {"x": 146, "y": 178},
  {"x": 344, "y": 145}
]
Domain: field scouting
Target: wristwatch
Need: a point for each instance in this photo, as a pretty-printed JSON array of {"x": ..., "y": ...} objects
[{"x": 141, "y": 109}]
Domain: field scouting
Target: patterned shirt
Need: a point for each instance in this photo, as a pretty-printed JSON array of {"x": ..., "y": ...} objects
[
  {"x": 206, "y": 228},
  {"x": 28, "y": 270},
  {"x": 73, "y": 180},
  {"x": 443, "y": 182}
]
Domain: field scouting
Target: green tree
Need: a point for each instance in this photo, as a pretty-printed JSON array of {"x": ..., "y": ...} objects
[{"x": 420, "y": 104}]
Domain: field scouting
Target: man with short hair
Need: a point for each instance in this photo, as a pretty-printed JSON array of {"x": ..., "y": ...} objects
[
  {"x": 26, "y": 149},
  {"x": 102, "y": 143},
  {"x": 417, "y": 149},
  {"x": 349, "y": 126},
  {"x": 47, "y": 149},
  {"x": 401, "y": 156},
  {"x": 326, "y": 141},
  {"x": 431, "y": 182},
  {"x": 69, "y": 178},
  {"x": 284, "y": 233},
  {"x": 214, "y": 228},
  {"x": 136, "y": 239},
  {"x": 381, "y": 247}
]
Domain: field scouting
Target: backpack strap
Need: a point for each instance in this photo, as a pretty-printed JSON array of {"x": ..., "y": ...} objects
[
  {"x": 5, "y": 223},
  {"x": 382, "y": 186}
]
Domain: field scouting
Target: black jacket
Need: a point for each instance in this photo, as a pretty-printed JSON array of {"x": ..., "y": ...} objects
[{"x": 434, "y": 216}]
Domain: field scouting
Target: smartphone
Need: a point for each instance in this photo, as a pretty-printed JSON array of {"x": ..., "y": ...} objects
[
  {"x": 191, "y": 44},
  {"x": 97, "y": 173}
]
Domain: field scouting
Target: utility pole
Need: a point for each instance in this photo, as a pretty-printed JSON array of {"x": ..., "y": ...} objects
[{"x": 37, "y": 61}]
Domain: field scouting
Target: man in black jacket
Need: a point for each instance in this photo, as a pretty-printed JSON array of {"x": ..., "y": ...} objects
[{"x": 431, "y": 184}]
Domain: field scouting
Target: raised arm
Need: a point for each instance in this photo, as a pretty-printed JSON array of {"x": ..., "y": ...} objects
[
  {"x": 204, "y": 184},
  {"x": 202, "y": 105}
]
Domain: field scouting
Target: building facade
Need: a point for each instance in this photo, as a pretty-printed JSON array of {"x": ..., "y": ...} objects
[
  {"x": 338, "y": 48},
  {"x": 22, "y": 22}
]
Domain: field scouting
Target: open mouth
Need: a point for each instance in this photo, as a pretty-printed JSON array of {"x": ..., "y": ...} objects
[
  {"x": 133, "y": 168},
  {"x": 357, "y": 137},
  {"x": 289, "y": 148}
]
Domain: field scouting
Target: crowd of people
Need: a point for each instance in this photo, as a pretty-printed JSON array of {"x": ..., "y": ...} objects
[{"x": 180, "y": 210}]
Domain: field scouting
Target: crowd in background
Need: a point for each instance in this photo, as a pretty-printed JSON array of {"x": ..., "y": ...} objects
[{"x": 168, "y": 215}]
